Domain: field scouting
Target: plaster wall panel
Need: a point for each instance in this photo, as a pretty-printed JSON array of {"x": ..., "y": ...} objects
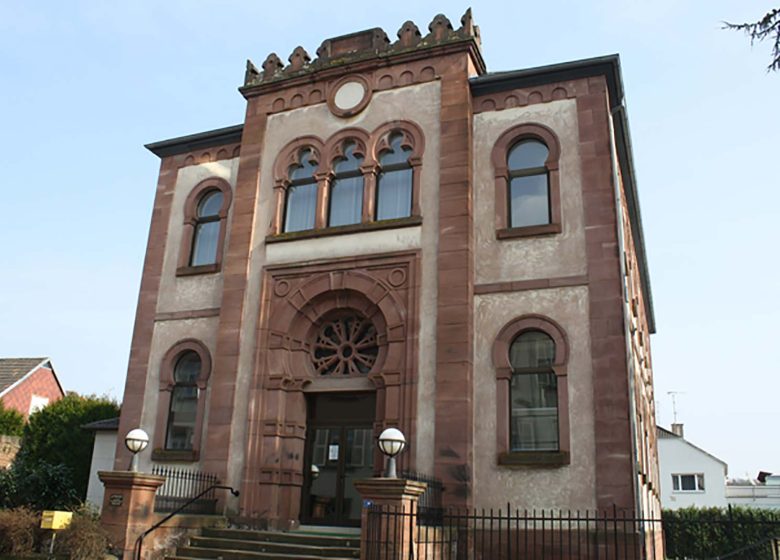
[
  {"x": 570, "y": 486},
  {"x": 419, "y": 104},
  {"x": 166, "y": 335},
  {"x": 202, "y": 291},
  {"x": 543, "y": 256},
  {"x": 338, "y": 246}
]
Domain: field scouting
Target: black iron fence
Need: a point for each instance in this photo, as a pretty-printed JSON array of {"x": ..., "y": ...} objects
[
  {"x": 556, "y": 535},
  {"x": 180, "y": 486},
  {"x": 429, "y": 508}
]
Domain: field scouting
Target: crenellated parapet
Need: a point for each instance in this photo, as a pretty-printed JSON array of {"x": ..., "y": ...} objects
[{"x": 363, "y": 45}]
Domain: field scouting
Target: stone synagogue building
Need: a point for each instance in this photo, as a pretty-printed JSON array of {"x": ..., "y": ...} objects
[{"x": 395, "y": 236}]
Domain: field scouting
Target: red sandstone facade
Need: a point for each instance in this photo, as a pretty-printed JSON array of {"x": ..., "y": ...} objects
[{"x": 445, "y": 289}]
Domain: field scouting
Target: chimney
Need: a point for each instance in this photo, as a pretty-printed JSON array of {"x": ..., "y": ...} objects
[{"x": 677, "y": 429}]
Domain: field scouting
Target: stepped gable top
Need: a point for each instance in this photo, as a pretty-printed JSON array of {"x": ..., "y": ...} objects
[{"x": 366, "y": 45}]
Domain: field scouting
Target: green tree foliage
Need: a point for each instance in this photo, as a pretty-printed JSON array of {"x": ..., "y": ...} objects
[
  {"x": 714, "y": 532},
  {"x": 11, "y": 421},
  {"x": 54, "y": 438},
  {"x": 37, "y": 486},
  {"x": 768, "y": 27}
]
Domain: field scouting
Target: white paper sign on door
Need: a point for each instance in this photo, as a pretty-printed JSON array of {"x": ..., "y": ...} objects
[{"x": 333, "y": 452}]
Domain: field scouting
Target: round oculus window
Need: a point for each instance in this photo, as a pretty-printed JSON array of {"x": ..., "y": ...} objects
[
  {"x": 349, "y": 96},
  {"x": 345, "y": 345}
]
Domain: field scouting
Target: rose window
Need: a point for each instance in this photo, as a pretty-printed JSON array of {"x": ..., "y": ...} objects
[{"x": 345, "y": 345}]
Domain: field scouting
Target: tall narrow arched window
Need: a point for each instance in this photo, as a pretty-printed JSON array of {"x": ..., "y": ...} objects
[
  {"x": 346, "y": 191},
  {"x": 394, "y": 183},
  {"x": 205, "y": 239},
  {"x": 529, "y": 188},
  {"x": 183, "y": 409},
  {"x": 533, "y": 393},
  {"x": 301, "y": 201}
]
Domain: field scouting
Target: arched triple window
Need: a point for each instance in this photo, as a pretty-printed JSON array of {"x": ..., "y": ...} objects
[
  {"x": 301, "y": 204},
  {"x": 527, "y": 192},
  {"x": 530, "y": 355},
  {"x": 346, "y": 190},
  {"x": 205, "y": 227},
  {"x": 184, "y": 373},
  {"x": 394, "y": 181},
  {"x": 355, "y": 180}
]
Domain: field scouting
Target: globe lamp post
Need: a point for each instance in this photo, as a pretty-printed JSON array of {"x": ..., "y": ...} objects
[
  {"x": 391, "y": 443},
  {"x": 136, "y": 441}
]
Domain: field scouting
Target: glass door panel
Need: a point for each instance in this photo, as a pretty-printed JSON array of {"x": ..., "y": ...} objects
[
  {"x": 325, "y": 453},
  {"x": 358, "y": 463}
]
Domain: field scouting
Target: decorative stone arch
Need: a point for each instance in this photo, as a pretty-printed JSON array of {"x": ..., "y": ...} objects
[
  {"x": 414, "y": 139},
  {"x": 166, "y": 385},
  {"x": 289, "y": 156},
  {"x": 191, "y": 219},
  {"x": 498, "y": 158},
  {"x": 299, "y": 300},
  {"x": 503, "y": 367}
]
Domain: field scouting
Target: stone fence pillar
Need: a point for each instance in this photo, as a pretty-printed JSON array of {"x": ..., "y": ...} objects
[
  {"x": 128, "y": 507},
  {"x": 389, "y": 535}
]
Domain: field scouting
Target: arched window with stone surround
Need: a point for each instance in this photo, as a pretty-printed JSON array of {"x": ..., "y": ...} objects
[
  {"x": 346, "y": 190},
  {"x": 529, "y": 186},
  {"x": 533, "y": 393},
  {"x": 530, "y": 354},
  {"x": 205, "y": 239},
  {"x": 184, "y": 374},
  {"x": 527, "y": 181},
  {"x": 395, "y": 180},
  {"x": 301, "y": 199},
  {"x": 183, "y": 408},
  {"x": 205, "y": 227}
]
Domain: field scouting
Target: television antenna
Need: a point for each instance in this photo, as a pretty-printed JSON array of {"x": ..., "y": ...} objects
[{"x": 674, "y": 402}]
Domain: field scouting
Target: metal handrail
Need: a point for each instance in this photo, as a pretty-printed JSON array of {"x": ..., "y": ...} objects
[{"x": 139, "y": 542}]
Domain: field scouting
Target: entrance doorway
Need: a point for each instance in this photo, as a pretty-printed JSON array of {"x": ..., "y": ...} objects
[{"x": 339, "y": 450}]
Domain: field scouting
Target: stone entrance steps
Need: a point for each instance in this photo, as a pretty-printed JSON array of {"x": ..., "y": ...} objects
[{"x": 240, "y": 544}]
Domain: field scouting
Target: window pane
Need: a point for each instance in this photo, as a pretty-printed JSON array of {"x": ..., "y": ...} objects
[
  {"x": 301, "y": 205},
  {"x": 346, "y": 201},
  {"x": 397, "y": 154},
  {"x": 305, "y": 170},
  {"x": 687, "y": 482},
  {"x": 534, "y": 412},
  {"x": 700, "y": 482},
  {"x": 181, "y": 417},
  {"x": 187, "y": 368},
  {"x": 527, "y": 154},
  {"x": 350, "y": 162},
  {"x": 675, "y": 482},
  {"x": 532, "y": 349},
  {"x": 210, "y": 204},
  {"x": 394, "y": 194},
  {"x": 529, "y": 201},
  {"x": 204, "y": 245}
]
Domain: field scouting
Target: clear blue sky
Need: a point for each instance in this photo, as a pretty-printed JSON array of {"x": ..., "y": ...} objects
[{"x": 84, "y": 84}]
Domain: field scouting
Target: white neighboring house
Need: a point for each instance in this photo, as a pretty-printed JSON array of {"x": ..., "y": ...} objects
[
  {"x": 761, "y": 493},
  {"x": 689, "y": 475},
  {"x": 103, "y": 452}
]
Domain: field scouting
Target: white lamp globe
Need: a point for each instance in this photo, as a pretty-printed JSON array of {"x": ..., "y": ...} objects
[
  {"x": 392, "y": 442},
  {"x": 136, "y": 440}
]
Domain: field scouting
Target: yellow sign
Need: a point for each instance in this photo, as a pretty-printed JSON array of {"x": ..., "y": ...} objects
[{"x": 55, "y": 519}]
